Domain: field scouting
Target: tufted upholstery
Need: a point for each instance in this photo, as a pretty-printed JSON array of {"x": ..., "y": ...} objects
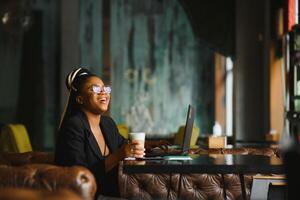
[
  {"x": 248, "y": 150},
  {"x": 193, "y": 186},
  {"x": 50, "y": 178},
  {"x": 146, "y": 186}
]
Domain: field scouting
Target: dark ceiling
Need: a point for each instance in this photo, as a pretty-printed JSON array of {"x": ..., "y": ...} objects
[{"x": 213, "y": 22}]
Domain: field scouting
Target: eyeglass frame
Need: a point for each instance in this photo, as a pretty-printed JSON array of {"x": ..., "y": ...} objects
[{"x": 105, "y": 89}]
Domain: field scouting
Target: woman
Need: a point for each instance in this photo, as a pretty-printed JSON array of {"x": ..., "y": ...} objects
[{"x": 88, "y": 138}]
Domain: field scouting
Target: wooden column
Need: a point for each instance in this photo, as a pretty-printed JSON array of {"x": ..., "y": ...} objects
[{"x": 251, "y": 71}]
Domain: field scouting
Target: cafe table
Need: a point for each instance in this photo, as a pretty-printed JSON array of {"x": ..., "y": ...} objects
[{"x": 210, "y": 164}]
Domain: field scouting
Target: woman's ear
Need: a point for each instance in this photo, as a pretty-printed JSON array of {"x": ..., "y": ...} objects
[{"x": 79, "y": 100}]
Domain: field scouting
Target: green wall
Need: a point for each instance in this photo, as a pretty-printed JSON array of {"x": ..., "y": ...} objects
[
  {"x": 158, "y": 68},
  {"x": 90, "y": 37}
]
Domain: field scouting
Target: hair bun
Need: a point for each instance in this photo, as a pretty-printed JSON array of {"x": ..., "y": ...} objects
[{"x": 73, "y": 76}]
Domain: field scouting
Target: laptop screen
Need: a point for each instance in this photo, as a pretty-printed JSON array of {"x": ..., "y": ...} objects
[{"x": 188, "y": 129}]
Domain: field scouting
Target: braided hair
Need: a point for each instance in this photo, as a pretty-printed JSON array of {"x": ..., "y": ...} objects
[{"x": 74, "y": 81}]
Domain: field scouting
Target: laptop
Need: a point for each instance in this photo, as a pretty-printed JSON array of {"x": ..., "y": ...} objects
[{"x": 185, "y": 146}]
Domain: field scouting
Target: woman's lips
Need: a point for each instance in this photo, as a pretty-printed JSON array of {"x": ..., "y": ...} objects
[{"x": 103, "y": 100}]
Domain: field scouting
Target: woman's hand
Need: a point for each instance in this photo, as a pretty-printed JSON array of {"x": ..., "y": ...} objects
[
  {"x": 131, "y": 149},
  {"x": 134, "y": 149}
]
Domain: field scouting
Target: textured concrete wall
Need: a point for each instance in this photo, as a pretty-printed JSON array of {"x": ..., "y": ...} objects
[
  {"x": 90, "y": 37},
  {"x": 158, "y": 67}
]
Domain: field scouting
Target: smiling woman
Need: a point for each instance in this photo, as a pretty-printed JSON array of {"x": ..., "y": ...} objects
[
  {"x": 87, "y": 137},
  {"x": 94, "y": 96}
]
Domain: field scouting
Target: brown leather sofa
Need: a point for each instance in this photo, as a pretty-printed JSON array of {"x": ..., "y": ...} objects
[
  {"x": 34, "y": 170},
  {"x": 31, "y": 194},
  {"x": 193, "y": 186}
]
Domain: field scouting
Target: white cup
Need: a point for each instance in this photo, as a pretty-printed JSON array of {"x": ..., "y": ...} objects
[{"x": 138, "y": 137}]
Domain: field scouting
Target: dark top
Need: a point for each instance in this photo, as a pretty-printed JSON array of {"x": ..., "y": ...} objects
[{"x": 76, "y": 145}]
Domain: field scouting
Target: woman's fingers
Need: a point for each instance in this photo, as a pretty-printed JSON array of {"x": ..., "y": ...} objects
[
  {"x": 135, "y": 142},
  {"x": 137, "y": 150},
  {"x": 139, "y": 154},
  {"x": 139, "y": 147},
  {"x": 127, "y": 150}
]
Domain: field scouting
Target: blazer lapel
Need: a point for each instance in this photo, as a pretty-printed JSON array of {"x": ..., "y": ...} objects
[
  {"x": 105, "y": 130},
  {"x": 94, "y": 145},
  {"x": 90, "y": 138}
]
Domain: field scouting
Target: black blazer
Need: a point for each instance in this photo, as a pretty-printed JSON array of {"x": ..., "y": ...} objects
[{"x": 76, "y": 145}]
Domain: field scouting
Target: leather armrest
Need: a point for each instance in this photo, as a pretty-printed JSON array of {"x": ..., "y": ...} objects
[{"x": 49, "y": 177}]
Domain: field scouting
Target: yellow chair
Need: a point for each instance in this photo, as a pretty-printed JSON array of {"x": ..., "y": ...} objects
[
  {"x": 123, "y": 130},
  {"x": 179, "y": 136},
  {"x": 14, "y": 138}
]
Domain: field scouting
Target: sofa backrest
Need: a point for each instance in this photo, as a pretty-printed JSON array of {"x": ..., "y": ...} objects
[
  {"x": 33, "y": 157},
  {"x": 242, "y": 150}
]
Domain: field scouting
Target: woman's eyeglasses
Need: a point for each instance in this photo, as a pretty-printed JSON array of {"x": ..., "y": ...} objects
[{"x": 98, "y": 89}]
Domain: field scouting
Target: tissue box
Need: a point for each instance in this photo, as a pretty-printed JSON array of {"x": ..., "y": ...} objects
[
  {"x": 272, "y": 137},
  {"x": 216, "y": 142}
]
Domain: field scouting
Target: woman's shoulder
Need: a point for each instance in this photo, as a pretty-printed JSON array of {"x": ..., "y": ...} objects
[
  {"x": 75, "y": 121},
  {"x": 107, "y": 120},
  {"x": 108, "y": 124}
]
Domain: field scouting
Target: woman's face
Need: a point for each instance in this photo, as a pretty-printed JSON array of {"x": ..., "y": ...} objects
[{"x": 92, "y": 96}]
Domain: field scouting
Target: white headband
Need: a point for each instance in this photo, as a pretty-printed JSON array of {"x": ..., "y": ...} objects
[{"x": 72, "y": 76}]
